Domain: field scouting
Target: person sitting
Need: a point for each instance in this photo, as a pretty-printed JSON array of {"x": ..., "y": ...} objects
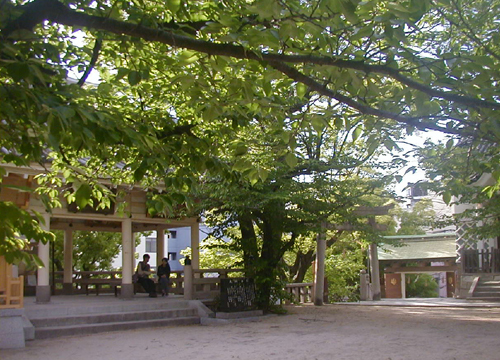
[
  {"x": 163, "y": 273},
  {"x": 143, "y": 271}
]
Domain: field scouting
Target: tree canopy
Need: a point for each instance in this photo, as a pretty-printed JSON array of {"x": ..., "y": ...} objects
[{"x": 179, "y": 79}]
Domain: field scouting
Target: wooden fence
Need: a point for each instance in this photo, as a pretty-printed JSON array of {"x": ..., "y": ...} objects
[
  {"x": 300, "y": 292},
  {"x": 11, "y": 288},
  {"x": 481, "y": 261}
]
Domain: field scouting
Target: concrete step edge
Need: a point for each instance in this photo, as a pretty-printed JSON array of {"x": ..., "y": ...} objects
[
  {"x": 102, "y": 317},
  {"x": 60, "y": 331}
]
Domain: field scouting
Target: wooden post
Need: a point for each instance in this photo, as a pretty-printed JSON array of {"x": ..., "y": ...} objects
[
  {"x": 160, "y": 245},
  {"x": 363, "y": 286},
  {"x": 319, "y": 283},
  {"x": 43, "y": 286},
  {"x": 127, "y": 290},
  {"x": 195, "y": 245},
  {"x": 374, "y": 265},
  {"x": 68, "y": 262},
  {"x": 188, "y": 282}
]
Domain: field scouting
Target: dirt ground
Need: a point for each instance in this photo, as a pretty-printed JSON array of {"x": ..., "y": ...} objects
[{"x": 307, "y": 332}]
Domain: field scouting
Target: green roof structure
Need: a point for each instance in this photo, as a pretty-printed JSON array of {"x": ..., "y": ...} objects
[{"x": 418, "y": 247}]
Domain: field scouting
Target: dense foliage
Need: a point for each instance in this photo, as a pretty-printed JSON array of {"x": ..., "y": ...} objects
[{"x": 184, "y": 85}]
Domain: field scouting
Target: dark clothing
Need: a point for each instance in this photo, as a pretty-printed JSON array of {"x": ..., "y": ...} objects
[
  {"x": 163, "y": 273},
  {"x": 143, "y": 270},
  {"x": 148, "y": 285},
  {"x": 163, "y": 270}
]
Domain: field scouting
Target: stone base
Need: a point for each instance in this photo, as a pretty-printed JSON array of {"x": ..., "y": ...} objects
[
  {"x": 43, "y": 294},
  {"x": 127, "y": 291},
  {"x": 238, "y": 314},
  {"x": 11, "y": 329},
  {"x": 67, "y": 289}
]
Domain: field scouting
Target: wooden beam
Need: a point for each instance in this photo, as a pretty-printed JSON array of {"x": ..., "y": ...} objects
[
  {"x": 350, "y": 227},
  {"x": 420, "y": 269},
  {"x": 375, "y": 210}
]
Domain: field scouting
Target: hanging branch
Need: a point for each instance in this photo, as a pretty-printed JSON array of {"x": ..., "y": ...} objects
[{"x": 93, "y": 61}]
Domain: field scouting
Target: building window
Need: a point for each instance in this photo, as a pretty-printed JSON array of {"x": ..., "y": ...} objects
[
  {"x": 173, "y": 234},
  {"x": 172, "y": 256},
  {"x": 150, "y": 245}
]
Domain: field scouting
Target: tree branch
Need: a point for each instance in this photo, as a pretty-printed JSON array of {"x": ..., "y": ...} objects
[
  {"x": 322, "y": 89},
  {"x": 52, "y": 10}
]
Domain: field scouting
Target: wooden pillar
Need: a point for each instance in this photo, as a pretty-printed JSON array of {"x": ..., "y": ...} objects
[
  {"x": 68, "y": 262},
  {"x": 319, "y": 280},
  {"x": 195, "y": 245},
  {"x": 375, "y": 272},
  {"x": 188, "y": 282},
  {"x": 127, "y": 290},
  {"x": 160, "y": 245},
  {"x": 403, "y": 285},
  {"x": 43, "y": 285}
]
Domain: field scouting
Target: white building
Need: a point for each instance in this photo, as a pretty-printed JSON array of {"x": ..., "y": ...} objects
[{"x": 176, "y": 240}]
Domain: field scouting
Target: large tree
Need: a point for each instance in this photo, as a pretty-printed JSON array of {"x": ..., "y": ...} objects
[
  {"x": 179, "y": 76},
  {"x": 279, "y": 201}
]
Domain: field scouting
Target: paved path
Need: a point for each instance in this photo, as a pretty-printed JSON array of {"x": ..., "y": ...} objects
[{"x": 385, "y": 331}]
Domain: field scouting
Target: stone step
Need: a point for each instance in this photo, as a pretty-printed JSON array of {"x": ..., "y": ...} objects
[
  {"x": 490, "y": 288},
  {"x": 64, "y": 310},
  {"x": 487, "y": 298},
  {"x": 486, "y": 293},
  {"x": 489, "y": 283},
  {"x": 112, "y": 317},
  {"x": 72, "y": 330}
]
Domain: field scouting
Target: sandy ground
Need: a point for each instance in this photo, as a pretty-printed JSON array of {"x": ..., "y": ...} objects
[{"x": 307, "y": 332}]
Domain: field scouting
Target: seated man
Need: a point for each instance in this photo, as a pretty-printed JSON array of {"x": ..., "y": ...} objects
[{"x": 143, "y": 271}]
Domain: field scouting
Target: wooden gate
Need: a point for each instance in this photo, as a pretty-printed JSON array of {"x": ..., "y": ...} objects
[{"x": 393, "y": 286}]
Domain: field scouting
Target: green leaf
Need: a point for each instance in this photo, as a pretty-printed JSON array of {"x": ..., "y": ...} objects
[
  {"x": 263, "y": 174},
  {"x": 356, "y": 133},
  {"x": 338, "y": 122},
  {"x": 349, "y": 11},
  {"x": 134, "y": 77},
  {"x": 83, "y": 195},
  {"x": 240, "y": 150},
  {"x": 447, "y": 197},
  {"x": 291, "y": 160},
  {"x": 66, "y": 112},
  {"x": 174, "y": 5},
  {"x": 18, "y": 71},
  {"x": 318, "y": 123},
  {"x": 301, "y": 90},
  {"x": 242, "y": 165},
  {"x": 285, "y": 136}
]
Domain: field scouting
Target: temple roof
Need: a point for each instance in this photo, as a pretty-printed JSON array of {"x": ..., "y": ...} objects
[{"x": 417, "y": 247}]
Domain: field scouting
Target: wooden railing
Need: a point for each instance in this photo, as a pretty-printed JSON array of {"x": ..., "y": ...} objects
[
  {"x": 206, "y": 282},
  {"x": 481, "y": 261},
  {"x": 98, "y": 281},
  {"x": 11, "y": 288},
  {"x": 300, "y": 292}
]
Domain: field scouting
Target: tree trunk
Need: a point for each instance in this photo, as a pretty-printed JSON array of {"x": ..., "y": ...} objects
[
  {"x": 248, "y": 243},
  {"x": 302, "y": 264}
]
